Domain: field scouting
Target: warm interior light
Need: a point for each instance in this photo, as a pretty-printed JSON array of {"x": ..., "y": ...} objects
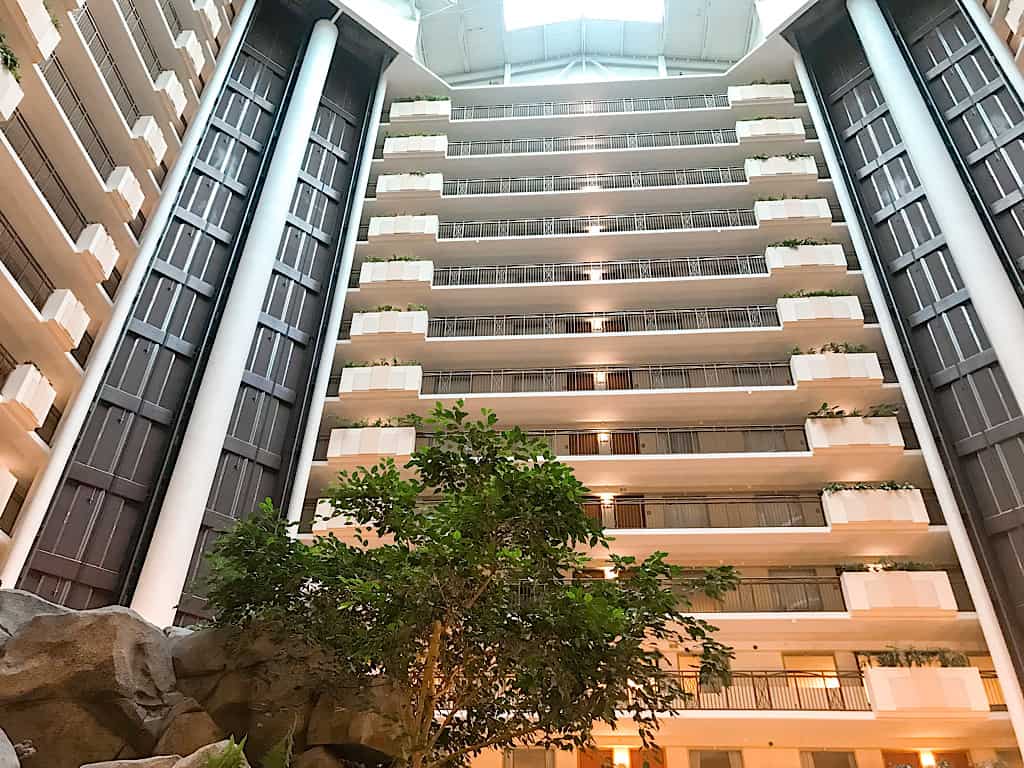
[
  {"x": 607, "y": 498},
  {"x": 603, "y": 437},
  {"x": 596, "y": 274},
  {"x": 927, "y": 758},
  {"x": 596, "y": 323},
  {"x": 609, "y": 573},
  {"x": 594, "y": 229},
  {"x": 600, "y": 377},
  {"x": 620, "y": 756}
]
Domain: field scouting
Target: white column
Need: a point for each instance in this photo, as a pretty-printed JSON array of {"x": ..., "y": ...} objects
[
  {"x": 990, "y": 627},
  {"x": 995, "y": 301},
  {"x": 181, "y": 515},
  {"x": 33, "y": 511},
  {"x": 1000, "y": 50},
  {"x": 337, "y": 310}
]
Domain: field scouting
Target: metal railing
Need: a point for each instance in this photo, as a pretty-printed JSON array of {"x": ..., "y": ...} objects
[
  {"x": 593, "y": 182},
  {"x": 608, "y": 378},
  {"x": 172, "y": 18},
  {"x": 779, "y": 511},
  {"x": 667, "y": 440},
  {"x": 774, "y": 594},
  {"x": 7, "y": 363},
  {"x": 591, "y": 107},
  {"x": 594, "y": 225},
  {"x": 45, "y": 176},
  {"x": 596, "y": 143},
  {"x": 140, "y": 35},
  {"x": 775, "y": 690},
  {"x": 26, "y": 271},
  {"x": 47, "y": 429},
  {"x": 588, "y": 271},
  {"x": 620, "y": 321},
  {"x": 74, "y": 109},
  {"x": 106, "y": 64},
  {"x": 993, "y": 691},
  {"x": 84, "y": 348}
]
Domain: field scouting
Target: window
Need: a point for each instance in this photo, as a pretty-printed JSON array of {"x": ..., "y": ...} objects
[
  {"x": 827, "y": 760},
  {"x": 529, "y": 757},
  {"x": 716, "y": 758},
  {"x": 532, "y": 13}
]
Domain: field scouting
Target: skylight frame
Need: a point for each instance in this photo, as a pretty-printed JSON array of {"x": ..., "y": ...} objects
[{"x": 525, "y": 14}]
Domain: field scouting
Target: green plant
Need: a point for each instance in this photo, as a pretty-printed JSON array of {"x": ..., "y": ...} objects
[
  {"x": 802, "y": 294},
  {"x": 411, "y": 133},
  {"x": 416, "y": 307},
  {"x": 393, "y": 308},
  {"x": 769, "y": 82},
  {"x": 392, "y": 257},
  {"x": 375, "y": 363},
  {"x": 8, "y": 59},
  {"x": 393, "y": 421},
  {"x": 797, "y": 242},
  {"x": 232, "y": 756},
  {"x": 53, "y": 17},
  {"x": 280, "y": 755},
  {"x": 881, "y": 485},
  {"x": 917, "y": 657},
  {"x": 474, "y": 617},
  {"x": 407, "y": 99},
  {"x": 832, "y": 347},
  {"x": 889, "y": 565},
  {"x": 826, "y": 411},
  {"x": 788, "y": 156}
]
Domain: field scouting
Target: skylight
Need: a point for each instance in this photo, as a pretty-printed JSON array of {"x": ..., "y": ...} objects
[{"x": 532, "y": 13}]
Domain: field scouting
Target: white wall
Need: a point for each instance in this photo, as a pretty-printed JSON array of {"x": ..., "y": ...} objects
[{"x": 774, "y": 12}]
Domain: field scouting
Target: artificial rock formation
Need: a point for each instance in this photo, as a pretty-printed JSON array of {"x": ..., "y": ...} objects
[{"x": 104, "y": 686}]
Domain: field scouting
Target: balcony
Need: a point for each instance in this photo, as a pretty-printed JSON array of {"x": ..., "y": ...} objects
[
  {"x": 25, "y": 396},
  {"x": 735, "y": 230},
  {"x": 164, "y": 80},
  {"x": 618, "y": 150},
  {"x": 33, "y": 21},
  {"x": 595, "y": 285},
  {"x": 720, "y": 392},
  {"x": 785, "y": 594},
  {"x": 673, "y": 336},
  {"x": 118, "y": 182},
  {"x": 109, "y": 87},
  {"x": 611, "y": 114},
  {"x": 10, "y": 94},
  {"x": 582, "y": 194},
  {"x": 901, "y": 594},
  {"x": 876, "y": 509}
]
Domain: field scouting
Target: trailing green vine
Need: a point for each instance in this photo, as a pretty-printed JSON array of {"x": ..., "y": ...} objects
[
  {"x": 864, "y": 485},
  {"x": 832, "y": 347},
  {"x": 826, "y": 411},
  {"x": 802, "y": 294},
  {"x": 8, "y": 59},
  {"x": 917, "y": 657}
]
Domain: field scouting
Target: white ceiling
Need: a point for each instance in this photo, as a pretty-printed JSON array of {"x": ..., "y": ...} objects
[{"x": 465, "y": 41}]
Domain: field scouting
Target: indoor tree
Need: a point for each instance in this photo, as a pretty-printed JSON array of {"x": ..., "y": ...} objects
[{"x": 469, "y": 599}]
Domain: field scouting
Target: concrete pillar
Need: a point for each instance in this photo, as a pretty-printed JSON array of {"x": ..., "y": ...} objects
[
  {"x": 982, "y": 271},
  {"x": 37, "y": 501},
  {"x": 337, "y": 310},
  {"x": 167, "y": 560}
]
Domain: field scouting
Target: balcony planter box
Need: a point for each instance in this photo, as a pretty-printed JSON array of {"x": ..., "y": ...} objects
[
  {"x": 898, "y": 594},
  {"x": 126, "y": 190},
  {"x": 780, "y": 168},
  {"x": 391, "y": 380},
  {"x": 854, "y": 434},
  {"x": 807, "y": 258},
  {"x": 956, "y": 692},
  {"x": 391, "y": 272},
  {"x": 763, "y": 93},
  {"x": 416, "y": 146},
  {"x": 66, "y": 318},
  {"x": 822, "y": 310},
  {"x": 325, "y": 521},
  {"x": 402, "y": 185},
  {"x": 792, "y": 211},
  {"x": 875, "y": 509},
  {"x": 169, "y": 86},
  {"x": 770, "y": 130},
  {"x": 833, "y": 369},
  {"x": 10, "y": 94},
  {"x": 148, "y": 132},
  {"x": 421, "y": 110},
  {"x": 191, "y": 50},
  {"x": 34, "y": 20},
  {"x": 413, "y": 324},
  {"x": 370, "y": 444},
  {"x": 403, "y": 228},
  {"x": 27, "y": 396},
  {"x": 99, "y": 251},
  {"x": 207, "y": 10}
]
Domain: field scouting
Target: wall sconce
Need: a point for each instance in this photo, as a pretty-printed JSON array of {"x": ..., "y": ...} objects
[
  {"x": 596, "y": 274},
  {"x": 600, "y": 377},
  {"x": 604, "y": 437},
  {"x": 596, "y": 323},
  {"x": 620, "y": 756},
  {"x": 593, "y": 229},
  {"x": 927, "y": 758}
]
